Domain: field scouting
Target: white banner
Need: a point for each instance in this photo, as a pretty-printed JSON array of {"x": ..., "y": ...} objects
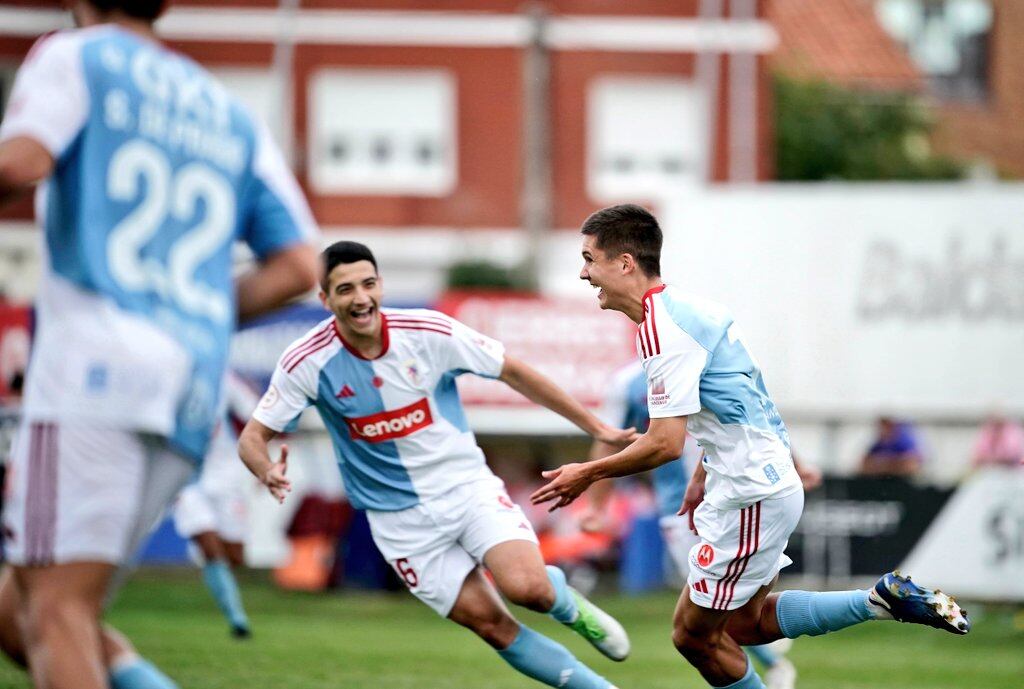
[
  {"x": 860, "y": 299},
  {"x": 975, "y": 548}
]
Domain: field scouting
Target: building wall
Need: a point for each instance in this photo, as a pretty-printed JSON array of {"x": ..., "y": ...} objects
[
  {"x": 490, "y": 107},
  {"x": 992, "y": 130}
]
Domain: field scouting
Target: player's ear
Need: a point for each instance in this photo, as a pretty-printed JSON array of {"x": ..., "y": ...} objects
[
  {"x": 627, "y": 263},
  {"x": 323, "y": 298}
]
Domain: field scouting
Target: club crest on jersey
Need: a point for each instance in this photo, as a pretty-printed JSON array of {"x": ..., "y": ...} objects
[
  {"x": 412, "y": 372},
  {"x": 706, "y": 555},
  {"x": 388, "y": 425},
  {"x": 657, "y": 395}
]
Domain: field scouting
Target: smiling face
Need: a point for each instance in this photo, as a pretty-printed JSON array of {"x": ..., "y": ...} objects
[
  {"x": 606, "y": 273},
  {"x": 353, "y": 294}
]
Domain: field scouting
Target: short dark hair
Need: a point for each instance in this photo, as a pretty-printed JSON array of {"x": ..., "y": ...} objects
[
  {"x": 627, "y": 229},
  {"x": 141, "y": 9},
  {"x": 343, "y": 252}
]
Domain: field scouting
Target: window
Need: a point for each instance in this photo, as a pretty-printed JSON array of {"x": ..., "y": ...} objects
[
  {"x": 647, "y": 136},
  {"x": 948, "y": 39},
  {"x": 376, "y": 131}
]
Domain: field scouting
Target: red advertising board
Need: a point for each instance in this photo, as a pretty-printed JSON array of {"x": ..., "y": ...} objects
[{"x": 572, "y": 341}]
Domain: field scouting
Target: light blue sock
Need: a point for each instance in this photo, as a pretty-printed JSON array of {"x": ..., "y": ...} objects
[
  {"x": 537, "y": 656},
  {"x": 762, "y": 654},
  {"x": 813, "y": 614},
  {"x": 139, "y": 673},
  {"x": 222, "y": 585},
  {"x": 564, "y": 609},
  {"x": 749, "y": 681}
]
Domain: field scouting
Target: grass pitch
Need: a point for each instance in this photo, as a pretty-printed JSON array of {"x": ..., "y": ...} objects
[{"x": 368, "y": 641}]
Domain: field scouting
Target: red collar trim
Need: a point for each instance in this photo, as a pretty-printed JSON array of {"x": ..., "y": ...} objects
[
  {"x": 385, "y": 340},
  {"x": 653, "y": 290}
]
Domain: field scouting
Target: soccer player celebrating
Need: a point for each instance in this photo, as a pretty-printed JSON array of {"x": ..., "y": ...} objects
[
  {"x": 152, "y": 172},
  {"x": 626, "y": 404},
  {"x": 212, "y": 511},
  {"x": 383, "y": 381},
  {"x": 744, "y": 498}
]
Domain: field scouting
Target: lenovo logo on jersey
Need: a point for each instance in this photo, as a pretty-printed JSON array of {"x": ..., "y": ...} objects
[{"x": 388, "y": 425}]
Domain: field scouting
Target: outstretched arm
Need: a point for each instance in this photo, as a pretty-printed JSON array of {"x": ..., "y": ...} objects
[
  {"x": 662, "y": 443},
  {"x": 252, "y": 448},
  {"x": 538, "y": 388}
]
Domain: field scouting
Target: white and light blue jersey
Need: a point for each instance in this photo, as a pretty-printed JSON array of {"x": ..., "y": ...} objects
[
  {"x": 698, "y": 366},
  {"x": 625, "y": 406},
  {"x": 398, "y": 427},
  {"x": 158, "y": 172}
]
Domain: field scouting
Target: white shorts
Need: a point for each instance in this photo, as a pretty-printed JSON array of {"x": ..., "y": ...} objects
[
  {"x": 218, "y": 500},
  {"x": 78, "y": 493},
  {"x": 740, "y": 550},
  {"x": 436, "y": 544},
  {"x": 199, "y": 510},
  {"x": 678, "y": 541}
]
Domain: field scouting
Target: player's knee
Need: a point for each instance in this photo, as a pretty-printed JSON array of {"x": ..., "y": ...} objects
[
  {"x": 497, "y": 629},
  {"x": 532, "y": 592},
  {"x": 51, "y": 615}
]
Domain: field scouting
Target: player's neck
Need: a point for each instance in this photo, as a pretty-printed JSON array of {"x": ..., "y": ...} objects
[
  {"x": 368, "y": 346},
  {"x": 139, "y": 27},
  {"x": 635, "y": 308}
]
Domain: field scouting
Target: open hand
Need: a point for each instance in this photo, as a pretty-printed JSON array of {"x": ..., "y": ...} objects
[
  {"x": 693, "y": 497},
  {"x": 275, "y": 480},
  {"x": 618, "y": 437},
  {"x": 567, "y": 483}
]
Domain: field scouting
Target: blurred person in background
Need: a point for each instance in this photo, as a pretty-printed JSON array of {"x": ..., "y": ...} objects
[
  {"x": 896, "y": 450},
  {"x": 212, "y": 511},
  {"x": 146, "y": 172},
  {"x": 1000, "y": 443},
  {"x": 626, "y": 404},
  {"x": 383, "y": 381},
  {"x": 745, "y": 496}
]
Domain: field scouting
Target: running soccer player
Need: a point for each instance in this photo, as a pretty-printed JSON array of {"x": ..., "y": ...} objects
[
  {"x": 383, "y": 381},
  {"x": 745, "y": 497},
  {"x": 150, "y": 173},
  {"x": 626, "y": 404},
  {"x": 212, "y": 511}
]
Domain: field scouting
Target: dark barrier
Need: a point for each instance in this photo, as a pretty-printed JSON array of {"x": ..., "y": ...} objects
[{"x": 862, "y": 526}]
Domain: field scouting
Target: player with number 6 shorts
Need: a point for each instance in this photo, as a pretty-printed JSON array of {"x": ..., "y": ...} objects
[
  {"x": 148, "y": 172},
  {"x": 383, "y": 382}
]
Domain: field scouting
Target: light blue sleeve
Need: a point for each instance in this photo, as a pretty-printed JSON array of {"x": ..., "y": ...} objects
[{"x": 279, "y": 216}]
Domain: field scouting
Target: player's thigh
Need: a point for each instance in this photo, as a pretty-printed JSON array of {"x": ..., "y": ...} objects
[
  {"x": 73, "y": 493},
  {"x": 57, "y": 589},
  {"x": 740, "y": 550},
  {"x": 480, "y": 608},
  {"x": 693, "y": 621},
  {"x": 518, "y": 571}
]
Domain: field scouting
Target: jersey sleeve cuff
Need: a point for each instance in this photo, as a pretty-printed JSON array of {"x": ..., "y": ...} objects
[
  {"x": 680, "y": 411},
  {"x": 272, "y": 424}
]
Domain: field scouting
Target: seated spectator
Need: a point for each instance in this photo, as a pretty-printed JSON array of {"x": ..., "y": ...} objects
[
  {"x": 1000, "y": 443},
  {"x": 896, "y": 451}
]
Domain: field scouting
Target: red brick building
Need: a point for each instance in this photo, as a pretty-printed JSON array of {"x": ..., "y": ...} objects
[{"x": 399, "y": 115}]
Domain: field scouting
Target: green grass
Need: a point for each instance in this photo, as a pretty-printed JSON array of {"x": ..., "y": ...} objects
[{"x": 368, "y": 641}]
